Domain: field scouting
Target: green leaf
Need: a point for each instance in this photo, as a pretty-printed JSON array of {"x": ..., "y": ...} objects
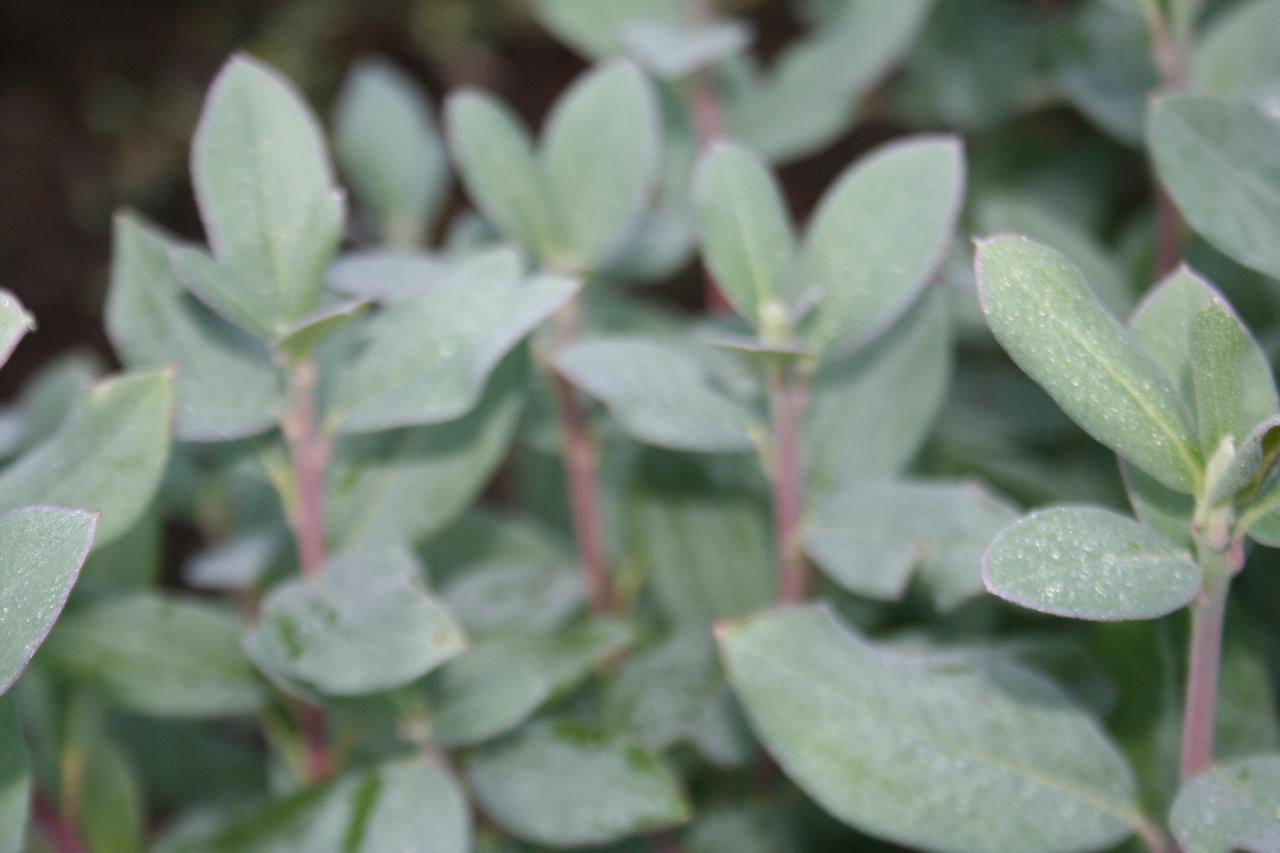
[
  {"x": 43, "y": 549},
  {"x": 927, "y": 751},
  {"x": 1045, "y": 317},
  {"x": 405, "y": 485},
  {"x": 501, "y": 681},
  {"x": 363, "y": 625},
  {"x": 747, "y": 240},
  {"x": 1232, "y": 57},
  {"x": 15, "y": 779},
  {"x": 672, "y": 693},
  {"x": 1230, "y": 807},
  {"x": 15, "y": 323},
  {"x": 110, "y": 813},
  {"x": 873, "y": 537},
  {"x": 501, "y": 173},
  {"x": 599, "y": 153},
  {"x": 108, "y": 458},
  {"x": 878, "y": 236},
  {"x": 564, "y": 784},
  {"x": 387, "y": 145},
  {"x": 158, "y": 654},
  {"x": 267, "y": 197},
  {"x": 1090, "y": 563},
  {"x": 661, "y": 392},
  {"x": 1159, "y": 507},
  {"x": 226, "y": 384},
  {"x": 1223, "y": 358},
  {"x": 52, "y": 393},
  {"x": 869, "y": 413},
  {"x": 1220, "y": 161},
  {"x": 422, "y": 363},
  {"x": 514, "y": 595},
  {"x": 673, "y": 51},
  {"x": 595, "y": 27}
]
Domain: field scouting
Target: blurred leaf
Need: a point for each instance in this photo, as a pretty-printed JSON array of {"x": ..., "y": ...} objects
[
  {"x": 426, "y": 361},
  {"x": 661, "y": 392},
  {"x": 108, "y": 458},
  {"x": 363, "y": 625},
  {"x": 239, "y": 563},
  {"x": 44, "y": 548},
  {"x": 158, "y": 654},
  {"x": 564, "y": 784},
  {"x": 226, "y": 384},
  {"x": 1220, "y": 160},
  {"x": 748, "y": 243},
  {"x": 15, "y": 323},
  {"x": 1045, "y": 317},
  {"x": 267, "y": 198},
  {"x": 941, "y": 754},
  {"x": 53, "y": 392},
  {"x": 873, "y": 537},
  {"x": 599, "y": 152},
  {"x": 596, "y": 27},
  {"x": 15, "y": 779},
  {"x": 1233, "y": 57},
  {"x": 521, "y": 595},
  {"x": 1090, "y": 563},
  {"x": 501, "y": 681},
  {"x": 673, "y": 51},
  {"x": 878, "y": 236},
  {"x": 1230, "y": 806},
  {"x": 387, "y": 144}
]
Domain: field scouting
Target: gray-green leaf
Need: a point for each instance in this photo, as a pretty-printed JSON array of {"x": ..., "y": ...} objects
[
  {"x": 1233, "y": 806},
  {"x": 564, "y": 784},
  {"x": 15, "y": 779},
  {"x": 1090, "y": 563},
  {"x": 15, "y": 323},
  {"x": 944, "y": 754},
  {"x": 1046, "y": 318},
  {"x": 41, "y": 551}
]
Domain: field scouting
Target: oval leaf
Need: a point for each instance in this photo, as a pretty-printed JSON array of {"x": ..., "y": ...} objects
[
  {"x": 1090, "y": 563},
  {"x": 1234, "y": 806}
]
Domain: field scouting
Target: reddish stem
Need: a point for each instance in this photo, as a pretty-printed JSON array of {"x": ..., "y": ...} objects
[
  {"x": 787, "y": 399},
  {"x": 1202, "y": 675},
  {"x": 308, "y": 455},
  {"x": 57, "y": 830},
  {"x": 1169, "y": 50},
  {"x": 707, "y": 124},
  {"x": 580, "y": 471}
]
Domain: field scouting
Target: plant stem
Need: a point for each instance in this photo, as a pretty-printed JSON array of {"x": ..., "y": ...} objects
[
  {"x": 308, "y": 455},
  {"x": 1202, "y": 673},
  {"x": 580, "y": 472},
  {"x": 787, "y": 398},
  {"x": 707, "y": 124},
  {"x": 57, "y": 829}
]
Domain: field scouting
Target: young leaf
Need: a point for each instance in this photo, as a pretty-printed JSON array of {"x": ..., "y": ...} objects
[
  {"x": 1045, "y": 317},
  {"x": 599, "y": 153},
  {"x": 365, "y": 624},
  {"x": 871, "y": 538},
  {"x": 267, "y": 197},
  {"x": 503, "y": 177},
  {"x": 387, "y": 144},
  {"x": 747, "y": 239},
  {"x": 566, "y": 785},
  {"x": 15, "y": 322},
  {"x": 1233, "y": 806},
  {"x": 1222, "y": 353},
  {"x": 661, "y": 393},
  {"x": 1090, "y": 563},
  {"x": 500, "y": 682},
  {"x": 41, "y": 551},
  {"x": 878, "y": 236},
  {"x": 108, "y": 458},
  {"x": 158, "y": 654},
  {"x": 927, "y": 752},
  {"x": 15, "y": 779},
  {"x": 674, "y": 51},
  {"x": 1159, "y": 507},
  {"x": 427, "y": 360},
  {"x": 226, "y": 385},
  {"x": 1220, "y": 160}
]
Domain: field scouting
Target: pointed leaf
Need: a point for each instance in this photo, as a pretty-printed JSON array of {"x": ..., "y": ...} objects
[
  {"x": 108, "y": 458},
  {"x": 564, "y": 784},
  {"x": 661, "y": 393},
  {"x": 158, "y": 654},
  {"x": 673, "y": 51},
  {"x": 226, "y": 385},
  {"x": 1220, "y": 160},
  {"x": 15, "y": 323},
  {"x": 427, "y": 359},
  {"x": 878, "y": 236},
  {"x": 387, "y": 144},
  {"x": 926, "y": 751},
  {"x": 363, "y": 625},
  {"x": 1045, "y": 317},
  {"x": 600, "y": 152},
  {"x": 1090, "y": 563},
  {"x": 1222, "y": 355},
  {"x": 1233, "y": 806}
]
